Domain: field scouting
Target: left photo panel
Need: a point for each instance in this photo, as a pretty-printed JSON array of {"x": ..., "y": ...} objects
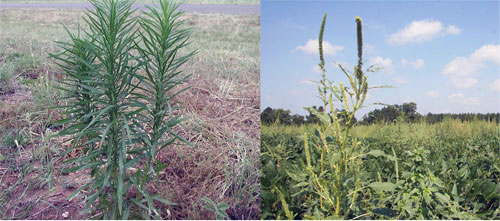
[{"x": 121, "y": 109}]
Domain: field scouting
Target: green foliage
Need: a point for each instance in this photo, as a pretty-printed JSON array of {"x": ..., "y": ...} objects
[
  {"x": 270, "y": 116},
  {"x": 452, "y": 175},
  {"x": 45, "y": 93},
  {"x": 407, "y": 112},
  {"x": 390, "y": 113},
  {"x": 6, "y": 71},
  {"x": 11, "y": 68},
  {"x": 119, "y": 117},
  {"x": 329, "y": 177},
  {"x": 336, "y": 170},
  {"x": 219, "y": 209},
  {"x": 242, "y": 178}
]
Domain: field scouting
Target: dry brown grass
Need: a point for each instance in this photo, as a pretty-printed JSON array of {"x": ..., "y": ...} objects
[{"x": 217, "y": 119}]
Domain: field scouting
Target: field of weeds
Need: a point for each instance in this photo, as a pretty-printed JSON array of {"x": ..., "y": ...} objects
[
  {"x": 339, "y": 169},
  {"x": 222, "y": 107},
  {"x": 447, "y": 170}
]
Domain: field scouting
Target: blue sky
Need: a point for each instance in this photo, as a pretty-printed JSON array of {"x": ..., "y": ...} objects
[{"x": 444, "y": 56}]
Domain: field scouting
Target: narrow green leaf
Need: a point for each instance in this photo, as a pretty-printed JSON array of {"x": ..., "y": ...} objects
[
  {"x": 383, "y": 186},
  {"x": 164, "y": 201}
]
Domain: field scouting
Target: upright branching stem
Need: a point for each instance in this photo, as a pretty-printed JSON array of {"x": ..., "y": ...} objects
[
  {"x": 162, "y": 37},
  {"x": 335, "y": 138},
  {"x": 114, "y": 104}
]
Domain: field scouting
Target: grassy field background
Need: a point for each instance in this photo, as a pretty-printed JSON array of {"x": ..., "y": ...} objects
[
  {"x": 222, "y": 105},
  {"x": 449, "y": 128},
  {"x": 238, "y": 2}
]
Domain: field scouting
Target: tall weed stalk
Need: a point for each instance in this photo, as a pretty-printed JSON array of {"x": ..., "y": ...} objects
[
  {"x": 118, "y": 117},
  {"x": 334, "y": 177}
]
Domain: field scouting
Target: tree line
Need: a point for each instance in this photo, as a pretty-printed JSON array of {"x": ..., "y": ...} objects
[{"x": 406, "y": 112}]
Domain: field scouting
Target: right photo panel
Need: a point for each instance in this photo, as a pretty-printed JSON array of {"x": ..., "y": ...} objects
[{"x": 380, "y": 110}]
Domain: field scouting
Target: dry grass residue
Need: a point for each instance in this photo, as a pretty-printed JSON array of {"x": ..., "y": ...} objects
[{"x": 219, "y": 115}]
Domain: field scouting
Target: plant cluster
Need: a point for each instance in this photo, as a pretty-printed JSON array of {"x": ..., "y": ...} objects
[
  {"x": 330, "y": 180},
  {"x": 120, "y": 76}
]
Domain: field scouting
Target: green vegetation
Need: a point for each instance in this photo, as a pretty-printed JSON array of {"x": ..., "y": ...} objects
[
  {"x": 219, "y": 209},
  {"x": 221, "y": 164},
  {"x": 117, "y": 117},
  {"x": 447, "y": 170},
  {"x": 337, "y": 169}
]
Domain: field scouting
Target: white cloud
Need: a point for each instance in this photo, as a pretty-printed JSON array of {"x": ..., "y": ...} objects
[
  {"x": 453, "y": 30},
  {"x": 461, "y": 99},
  {"x": 422, "y": 31},
  {"x": 419, "y": 63},
  {"x": 312, "y": 48},
  {"x": 432, "y": 93},
  {"x": 400, "y": 80},
  {"x": 386, "y": 64},
  {"x": 461, "y": 70},
  {"x": 495, "y": 86},
  {"x": 267, "y": 97},
  {"x": 294, "y": 92},
  {"x": 489, "y": 52},
  {"x": 462, "y": 82},
  {"x": 461, "y": 66}
]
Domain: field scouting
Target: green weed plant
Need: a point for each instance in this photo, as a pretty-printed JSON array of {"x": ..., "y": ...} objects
[{"x": 120, "y": 75}]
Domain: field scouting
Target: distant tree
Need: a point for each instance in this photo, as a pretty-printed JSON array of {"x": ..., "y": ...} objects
[
  {"x": 406, "y": 111},
  {"x": 409, "y": 108},
  {"x": 298, "y": 119},
  {"x": 283, "y": 116},
  {"x": 268, "y": 116}
]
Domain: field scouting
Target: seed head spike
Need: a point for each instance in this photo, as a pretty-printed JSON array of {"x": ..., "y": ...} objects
[
  {"x": 320, "y": 42},
  {"x": 360, "y": 47}
]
